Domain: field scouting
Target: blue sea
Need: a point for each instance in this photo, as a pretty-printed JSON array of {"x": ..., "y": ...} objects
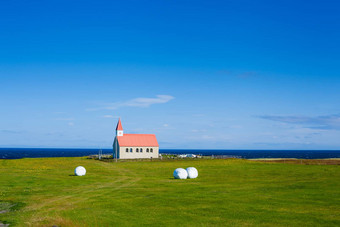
[{"x": 15, "y": 153}]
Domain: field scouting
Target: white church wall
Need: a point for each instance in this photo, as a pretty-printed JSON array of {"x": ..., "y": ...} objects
[{"x": 134, "y": 154}]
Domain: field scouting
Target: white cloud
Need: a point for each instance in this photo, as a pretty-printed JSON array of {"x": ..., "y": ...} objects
[
  {"x": 110, "y": 116},
  {"x": 198, "y": 130},
  {"x": 207, "y": 137},
  {"x": 146, "y": 102},
  {"x": 328, "y": 122},
  {"x": 137, "y": 102}
]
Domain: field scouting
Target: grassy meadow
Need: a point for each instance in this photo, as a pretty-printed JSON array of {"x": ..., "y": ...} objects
[{"x": 230, "y": 192}]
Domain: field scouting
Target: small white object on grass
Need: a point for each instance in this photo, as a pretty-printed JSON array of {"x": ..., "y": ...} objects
[
  {"x": 192, "y": 172},
  {"x": 80, "y": 171},
  {"x": 180, "y": 173}
]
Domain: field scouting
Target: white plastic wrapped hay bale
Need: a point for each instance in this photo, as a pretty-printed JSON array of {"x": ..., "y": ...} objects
[
  {"x": 192, "y": 172},
  {"x": 80, "y": 171},
  {"x": 180, "y": 173}
]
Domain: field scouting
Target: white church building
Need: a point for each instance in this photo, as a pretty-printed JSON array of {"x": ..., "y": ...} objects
[{"x": 133, "y": 146}]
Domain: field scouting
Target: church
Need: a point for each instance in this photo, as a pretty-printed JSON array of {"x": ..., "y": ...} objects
[{"x": 133, "y": 146}]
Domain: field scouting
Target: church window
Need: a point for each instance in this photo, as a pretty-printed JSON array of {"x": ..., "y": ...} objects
[
  {"x": 127, "y": 149},
  {"x": 147, "y": 150},
  {"x": 137, "y": 150},
  {"x": 130, "y": 149},
  {"x": 141, "y": 150},
  {"x": 151, "y": 150}
]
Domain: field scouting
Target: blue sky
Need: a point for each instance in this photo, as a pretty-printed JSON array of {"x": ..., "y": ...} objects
[{"x": 198, "y": 74}]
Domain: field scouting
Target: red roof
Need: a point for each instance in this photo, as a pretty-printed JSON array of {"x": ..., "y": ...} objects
[
  {"x": 119, "y": 125},
  {"x": 137, "y": 140}
]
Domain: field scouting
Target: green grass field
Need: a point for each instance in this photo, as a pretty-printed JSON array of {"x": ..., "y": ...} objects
[{"x": 44, "y": 192}]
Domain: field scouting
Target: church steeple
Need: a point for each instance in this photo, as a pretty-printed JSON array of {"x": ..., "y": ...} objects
[{"x": 119, "y": 128}]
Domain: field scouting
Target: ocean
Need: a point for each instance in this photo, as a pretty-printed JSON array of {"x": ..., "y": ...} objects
[{"x": 15, "y": 153}]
